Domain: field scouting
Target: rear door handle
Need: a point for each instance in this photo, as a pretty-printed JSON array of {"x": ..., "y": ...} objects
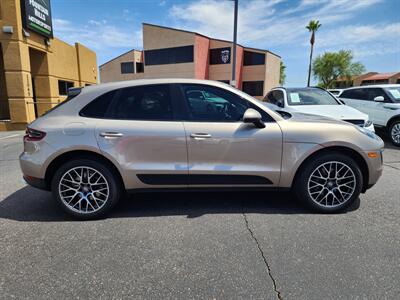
[
  {"x": 111, "y": 134},
  {"x": 199, "y": 136}
]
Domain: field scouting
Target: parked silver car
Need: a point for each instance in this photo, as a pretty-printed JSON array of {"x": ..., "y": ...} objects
[{"x": 157, "y": 134}]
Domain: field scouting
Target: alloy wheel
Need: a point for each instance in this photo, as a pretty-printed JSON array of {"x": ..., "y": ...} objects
[
  {"x": 395, "y": 133},
  {"x": 83, "y": 189},
  {"x": 331, "y": 184}
]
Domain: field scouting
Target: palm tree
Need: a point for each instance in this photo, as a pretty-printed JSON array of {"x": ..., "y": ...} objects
[{"x": 312, "y": 27}]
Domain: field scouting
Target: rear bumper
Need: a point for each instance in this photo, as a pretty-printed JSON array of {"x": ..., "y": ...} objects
[{"x": 36, "y": 182}]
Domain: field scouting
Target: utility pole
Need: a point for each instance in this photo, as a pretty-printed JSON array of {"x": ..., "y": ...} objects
[{"x": 233, "y": 81}]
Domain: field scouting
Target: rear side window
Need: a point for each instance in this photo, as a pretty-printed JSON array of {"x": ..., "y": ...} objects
[
  {"x": 359, "y": 94},
  {"x": 99, "y": 107},
  {"x": 151, "y": 102}
]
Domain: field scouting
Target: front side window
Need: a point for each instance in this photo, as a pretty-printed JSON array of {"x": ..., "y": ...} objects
[
  {"x": 151, "y": 102},
  {"x": 212, "y": 104},
  {"x": 275, "y": 97},
  {"x": 306, "y": 96},
  {"x": 375, "y": 92},
  {"x": 394, "y": 93}
]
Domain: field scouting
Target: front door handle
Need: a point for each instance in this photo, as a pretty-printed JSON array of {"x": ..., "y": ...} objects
[
  {"x": 111, "y": 134},
  {"x": 200, "y": 136}
]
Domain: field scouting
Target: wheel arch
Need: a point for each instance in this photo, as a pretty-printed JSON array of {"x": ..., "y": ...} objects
[
  {"x": 392, "y": 120},
  {"x": 81, "y": 154},
  {"x": 343, "y": 150}
]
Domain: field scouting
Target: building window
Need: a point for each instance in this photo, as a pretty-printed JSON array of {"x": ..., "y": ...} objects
[
  {"x": 139, "y": 67},
  {"x": 253, "y": 88},
  {"x": 127, "y": 68},
  {"x": 167, "y": 56},
  {"x": 220, "y": 56},
  {"x": 253, "y": 58},
  {"x": 63, "y": 87}
]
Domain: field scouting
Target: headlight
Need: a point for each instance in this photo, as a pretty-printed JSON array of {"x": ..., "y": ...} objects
[
  {"x": 368, "y": 123},
  {"x": 369, "y": 133}
]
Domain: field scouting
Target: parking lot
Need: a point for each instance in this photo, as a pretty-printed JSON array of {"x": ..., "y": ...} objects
[{"x": 198, "y": 245}]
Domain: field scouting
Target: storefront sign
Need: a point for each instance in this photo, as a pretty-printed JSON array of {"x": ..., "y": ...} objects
[
  {"x": 220, "y": 56},
  {"x": 36, "y": 16}
]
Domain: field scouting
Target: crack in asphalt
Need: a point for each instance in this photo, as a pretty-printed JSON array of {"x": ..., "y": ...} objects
[
  {"x": 278, "y": 293},
  {"x": 391, "y": 167}
]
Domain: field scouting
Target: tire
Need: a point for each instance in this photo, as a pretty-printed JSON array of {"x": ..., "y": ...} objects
[
  {"x": 394, "y": 132},
  {"x": 329, "y": 195},
  {"x": 70, "y": 186}
]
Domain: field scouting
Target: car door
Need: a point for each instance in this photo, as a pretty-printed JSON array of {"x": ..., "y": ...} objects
[
  {"x": 142, "y": 134},
  {"x": 358, "y": 98},
  {"x": 380, "y": 111},
  {"x": 224, "y": 151}
]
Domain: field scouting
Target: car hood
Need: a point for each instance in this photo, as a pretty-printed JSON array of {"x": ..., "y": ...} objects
[{"x": 342, "y": 112}]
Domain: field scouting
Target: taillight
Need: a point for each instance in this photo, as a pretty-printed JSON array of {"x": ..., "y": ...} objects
[{"x": 33, "y": 135}]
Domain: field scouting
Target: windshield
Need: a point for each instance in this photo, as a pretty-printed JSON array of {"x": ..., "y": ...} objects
[
  {"x": 394, "y": 92},
  {"x": 312, "y": 96}
]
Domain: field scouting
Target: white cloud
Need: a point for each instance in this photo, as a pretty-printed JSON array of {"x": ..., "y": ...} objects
[
  {"x": 97, "y": 35},
  {"x": 364, "y": 40},
  {"x": 264, "y": 23}
]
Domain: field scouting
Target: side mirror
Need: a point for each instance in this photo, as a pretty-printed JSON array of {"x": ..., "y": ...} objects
[
  {"x": 279, "y": 103},
  {"x": 379, "y": 99},
  {"x": 253, "y": 116}
]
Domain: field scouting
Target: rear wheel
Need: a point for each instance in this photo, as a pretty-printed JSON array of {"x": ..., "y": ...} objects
[
  {"x": 85, "y": 189},
  {"x": 329, "y": 183},
  {"x": 394, "y": 133}
]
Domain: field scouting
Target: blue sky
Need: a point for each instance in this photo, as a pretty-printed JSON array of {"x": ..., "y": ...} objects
[{"x": 370, "y": 28}]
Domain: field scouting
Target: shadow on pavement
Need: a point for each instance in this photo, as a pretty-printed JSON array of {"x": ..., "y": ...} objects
[{"x": 29, "y": 204}]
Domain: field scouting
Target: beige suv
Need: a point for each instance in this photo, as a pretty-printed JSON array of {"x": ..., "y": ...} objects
[{"x": 185, "y": 134}]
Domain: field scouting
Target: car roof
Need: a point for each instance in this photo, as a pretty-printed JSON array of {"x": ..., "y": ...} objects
[
  {"x": 373, "y": 86},
  {"x": 298, "y": 88},
  {"x": 138, "y": 82}
]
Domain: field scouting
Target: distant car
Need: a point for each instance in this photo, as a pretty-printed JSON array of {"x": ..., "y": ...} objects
[
  {"x": 381, "y": 103},
  {"x": 335, "y": 92},
  {"x": 153, "y": 135},
  {"x": 316, "y": 101}
]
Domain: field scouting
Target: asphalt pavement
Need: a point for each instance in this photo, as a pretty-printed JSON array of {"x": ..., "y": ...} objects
[{"x": 198, "y": 245}]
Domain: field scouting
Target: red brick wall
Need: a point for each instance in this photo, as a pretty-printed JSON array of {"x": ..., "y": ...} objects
[{"x": 201, "y": 59}]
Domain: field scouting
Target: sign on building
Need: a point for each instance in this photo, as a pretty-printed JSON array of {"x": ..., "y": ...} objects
[{"x": 36, "y": 16}]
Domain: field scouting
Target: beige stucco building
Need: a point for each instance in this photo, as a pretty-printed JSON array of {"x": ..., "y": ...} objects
[
  {"x": 36, "y": 70},
  {"x": 169, "y": 52}
]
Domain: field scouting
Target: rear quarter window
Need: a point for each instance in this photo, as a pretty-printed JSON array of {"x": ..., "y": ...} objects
[{"x": 99, "y": 107}]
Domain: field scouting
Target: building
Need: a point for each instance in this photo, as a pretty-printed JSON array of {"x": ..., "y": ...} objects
[
  {"x": 36, "y": 69},
  {"x": 169, "y": 52},
  {"x": 369, "y": 78}
]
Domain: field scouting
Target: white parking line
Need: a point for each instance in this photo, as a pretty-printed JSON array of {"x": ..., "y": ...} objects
[{"x": 9, "y": 136}]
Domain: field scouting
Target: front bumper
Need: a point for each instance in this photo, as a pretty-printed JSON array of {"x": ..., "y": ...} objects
[
  {"x": 36, "y": 182},
  {"x": 375, "y": 167}
]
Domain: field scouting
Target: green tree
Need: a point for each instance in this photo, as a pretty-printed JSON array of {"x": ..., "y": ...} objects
[
  {"x": 327, "y": 68},
  {"x": 312, "y": 27},
  {"x": 282, "y": 74}
]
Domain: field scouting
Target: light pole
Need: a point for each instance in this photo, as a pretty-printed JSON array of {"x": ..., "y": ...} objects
[{"x": 233, "y": 81}]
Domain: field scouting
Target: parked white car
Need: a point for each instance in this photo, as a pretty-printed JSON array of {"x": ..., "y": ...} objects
[
  {"x": 381, "y": 103},
  {"x": 316, "y": 101}
]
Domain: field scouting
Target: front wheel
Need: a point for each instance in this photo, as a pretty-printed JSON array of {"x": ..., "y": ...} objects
[
  {"x": 86, "y": 189},
  {"x": 329, "y": 183},
  {"x": 394, "y": 133}
]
